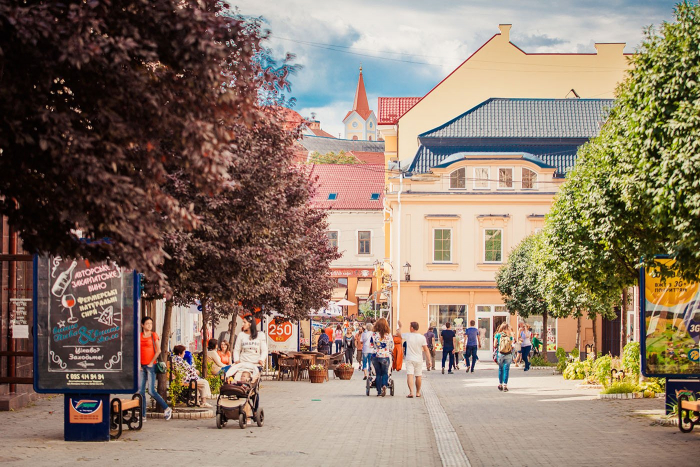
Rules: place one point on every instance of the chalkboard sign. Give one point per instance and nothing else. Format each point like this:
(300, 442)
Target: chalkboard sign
(85, 322)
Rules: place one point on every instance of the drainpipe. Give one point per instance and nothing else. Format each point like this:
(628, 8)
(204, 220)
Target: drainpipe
(398, 254)
(12, 292)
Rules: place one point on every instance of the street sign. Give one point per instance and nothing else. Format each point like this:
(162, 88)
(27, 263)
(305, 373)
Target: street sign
(85, 327)
(279, 332)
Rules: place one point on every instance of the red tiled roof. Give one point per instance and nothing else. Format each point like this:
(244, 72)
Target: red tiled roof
(352, 184)
(319, 132)
(369, 157)
(392, 108)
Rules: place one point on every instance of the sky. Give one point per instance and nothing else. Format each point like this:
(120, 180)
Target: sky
(406, 47)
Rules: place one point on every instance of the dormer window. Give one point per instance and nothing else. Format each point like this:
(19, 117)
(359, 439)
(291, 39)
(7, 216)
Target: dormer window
(332, 196)
(374, 196)
(458, 179)
(529, 179)
(505, 178)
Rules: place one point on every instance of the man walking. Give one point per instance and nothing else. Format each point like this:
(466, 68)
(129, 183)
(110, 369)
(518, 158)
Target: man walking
(430, 339)
(471, 336)
(447, 339)
(416, 346)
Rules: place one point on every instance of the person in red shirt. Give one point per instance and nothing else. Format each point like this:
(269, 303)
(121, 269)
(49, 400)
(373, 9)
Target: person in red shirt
(150, 350)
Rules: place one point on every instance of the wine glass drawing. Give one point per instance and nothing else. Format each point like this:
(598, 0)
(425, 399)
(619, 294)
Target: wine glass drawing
(68, 301)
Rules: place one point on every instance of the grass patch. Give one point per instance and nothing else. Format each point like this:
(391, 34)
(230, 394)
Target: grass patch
(620, 388)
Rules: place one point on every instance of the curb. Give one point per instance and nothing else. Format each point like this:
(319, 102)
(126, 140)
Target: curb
(185, 414)
(665, 421)
(630, 395)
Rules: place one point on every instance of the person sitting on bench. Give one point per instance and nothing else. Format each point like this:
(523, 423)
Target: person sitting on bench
(190, 373)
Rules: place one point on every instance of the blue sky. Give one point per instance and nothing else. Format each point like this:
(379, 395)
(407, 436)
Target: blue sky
(331, 39)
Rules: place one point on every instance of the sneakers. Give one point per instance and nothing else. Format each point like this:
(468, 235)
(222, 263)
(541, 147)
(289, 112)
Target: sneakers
(443, 371)
(450, 372)
(500, 387)
(168, 413)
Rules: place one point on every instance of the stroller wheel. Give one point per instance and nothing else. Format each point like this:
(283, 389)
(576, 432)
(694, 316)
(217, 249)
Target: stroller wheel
(368, 385)
(259, 417)
(241, 420)
(220, 420)
(391, 388)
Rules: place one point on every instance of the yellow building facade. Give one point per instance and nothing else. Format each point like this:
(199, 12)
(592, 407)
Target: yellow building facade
(498, 148)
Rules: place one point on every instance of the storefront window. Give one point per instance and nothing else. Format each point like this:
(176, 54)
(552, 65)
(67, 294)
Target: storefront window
(536, 323)
(455, 314)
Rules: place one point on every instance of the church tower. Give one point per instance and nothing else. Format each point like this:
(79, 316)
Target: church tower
(360, 122)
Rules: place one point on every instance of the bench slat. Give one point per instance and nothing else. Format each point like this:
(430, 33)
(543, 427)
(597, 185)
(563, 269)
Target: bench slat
(128, 404)
(691, 405)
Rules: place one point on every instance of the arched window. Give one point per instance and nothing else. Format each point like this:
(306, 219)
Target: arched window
(529, 179)
(458, 178)
(354, 138)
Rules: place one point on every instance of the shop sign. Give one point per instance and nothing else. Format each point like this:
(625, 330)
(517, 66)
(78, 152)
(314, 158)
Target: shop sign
(18, 317)
(352, 272)
(670, 311)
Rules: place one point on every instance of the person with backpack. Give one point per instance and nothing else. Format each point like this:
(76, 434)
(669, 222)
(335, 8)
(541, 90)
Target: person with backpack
(503, 341)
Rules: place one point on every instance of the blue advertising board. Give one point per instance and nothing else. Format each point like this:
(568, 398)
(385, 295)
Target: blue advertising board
(85, 327)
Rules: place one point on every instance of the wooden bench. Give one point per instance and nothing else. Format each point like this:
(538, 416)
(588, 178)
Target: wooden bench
(189, 395)
(125, 411)
(687, 422)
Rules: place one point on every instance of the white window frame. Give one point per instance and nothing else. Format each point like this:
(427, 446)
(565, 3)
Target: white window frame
(483, 240)
(522, 178)
(488, 178)
(465, 179)
(512, 179)
(357, 242)
(338, 237)
(451, 245)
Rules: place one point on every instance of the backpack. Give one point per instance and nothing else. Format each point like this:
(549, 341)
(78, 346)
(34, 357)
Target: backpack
(505, 345)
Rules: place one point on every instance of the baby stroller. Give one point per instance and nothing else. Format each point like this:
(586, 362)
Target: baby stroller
(372, 379)
(237, 401)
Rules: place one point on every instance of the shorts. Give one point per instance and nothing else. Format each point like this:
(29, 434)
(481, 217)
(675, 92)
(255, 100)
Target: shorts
(414, 368)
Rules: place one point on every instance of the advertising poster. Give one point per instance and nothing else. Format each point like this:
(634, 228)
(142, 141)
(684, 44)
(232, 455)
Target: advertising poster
(85, 327)
(671, 315)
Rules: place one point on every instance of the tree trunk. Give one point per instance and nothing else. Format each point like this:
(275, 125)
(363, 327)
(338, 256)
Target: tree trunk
(595, 335)
(544, 333)
(164, 346)
(623, 321)
(205, 338)
(578, 336)
(232, 330)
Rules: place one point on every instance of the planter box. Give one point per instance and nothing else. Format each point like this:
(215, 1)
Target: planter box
(345, 374)
(317, 376)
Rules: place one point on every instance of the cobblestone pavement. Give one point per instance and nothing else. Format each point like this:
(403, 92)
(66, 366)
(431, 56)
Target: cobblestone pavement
(305, 424)
(546, 420)
(543, 420)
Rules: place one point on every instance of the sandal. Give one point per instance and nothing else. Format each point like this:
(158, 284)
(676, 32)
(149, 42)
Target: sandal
(409, 396)
(418, 395)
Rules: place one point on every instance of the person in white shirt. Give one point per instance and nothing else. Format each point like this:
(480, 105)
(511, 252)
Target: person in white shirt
(250, 347)
(416, 345)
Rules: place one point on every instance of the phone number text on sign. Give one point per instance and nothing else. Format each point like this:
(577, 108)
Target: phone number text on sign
(279, 332)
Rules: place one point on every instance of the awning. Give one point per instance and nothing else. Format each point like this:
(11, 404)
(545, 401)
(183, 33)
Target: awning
(339, 293)
(363, 288)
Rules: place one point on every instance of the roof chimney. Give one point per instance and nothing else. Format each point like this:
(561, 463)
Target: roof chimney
(505, 31)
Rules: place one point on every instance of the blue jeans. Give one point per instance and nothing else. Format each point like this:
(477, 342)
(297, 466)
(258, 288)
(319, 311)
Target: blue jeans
(525, 351)
(148, 373)
(445, 353)
(504, 361)
(381, 368)
(366, 360)
(471, 352)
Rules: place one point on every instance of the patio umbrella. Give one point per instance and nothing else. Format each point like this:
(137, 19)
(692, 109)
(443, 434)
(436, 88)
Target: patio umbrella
(344, 302)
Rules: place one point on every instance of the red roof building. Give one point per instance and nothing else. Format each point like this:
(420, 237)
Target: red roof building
(392, 108)
(358, 187)
(369, 157)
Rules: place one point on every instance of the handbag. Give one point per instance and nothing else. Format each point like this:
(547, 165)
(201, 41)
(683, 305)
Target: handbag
(159, 367)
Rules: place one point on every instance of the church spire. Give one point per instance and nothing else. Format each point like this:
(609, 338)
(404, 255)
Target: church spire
(361, 106)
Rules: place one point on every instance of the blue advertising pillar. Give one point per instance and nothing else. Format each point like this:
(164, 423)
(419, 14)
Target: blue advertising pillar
(86, 417)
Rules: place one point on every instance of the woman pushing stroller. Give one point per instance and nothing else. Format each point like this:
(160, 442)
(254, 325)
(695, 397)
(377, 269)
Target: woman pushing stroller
(250, 348)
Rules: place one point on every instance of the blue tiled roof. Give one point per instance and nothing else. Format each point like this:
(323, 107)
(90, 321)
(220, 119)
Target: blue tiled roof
(561, 156)
(527, 118)
(552, 130)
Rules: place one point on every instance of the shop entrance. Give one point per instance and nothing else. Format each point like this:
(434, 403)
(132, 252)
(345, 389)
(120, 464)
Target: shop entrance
(488, 319)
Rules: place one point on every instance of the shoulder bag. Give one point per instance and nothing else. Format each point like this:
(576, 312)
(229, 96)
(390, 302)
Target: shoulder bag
(160, 367)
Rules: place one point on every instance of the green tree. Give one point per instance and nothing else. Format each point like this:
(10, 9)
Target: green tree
(332, 158)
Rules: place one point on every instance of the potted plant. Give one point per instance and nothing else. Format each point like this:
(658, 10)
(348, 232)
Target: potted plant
(345, 370)
(317, 373)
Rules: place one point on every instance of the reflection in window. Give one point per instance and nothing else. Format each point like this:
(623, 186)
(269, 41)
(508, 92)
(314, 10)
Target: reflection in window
(364, 238)
(481, 176)
(529, 178)
(458, 178)
(505, 178)
(332, 238)
(493, 245)
(455, 314)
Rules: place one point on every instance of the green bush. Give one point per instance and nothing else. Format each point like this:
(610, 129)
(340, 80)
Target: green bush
(539, 360)
(575, 353)
(574, 370)
(621, 387)
(630, 360)
(601, 370)
(561, 359)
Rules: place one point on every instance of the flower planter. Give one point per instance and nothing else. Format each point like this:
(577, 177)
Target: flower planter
(345, 374)
(317, 376)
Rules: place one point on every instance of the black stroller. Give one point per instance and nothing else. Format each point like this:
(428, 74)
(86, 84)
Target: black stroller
(372, 379)
(237, 401)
